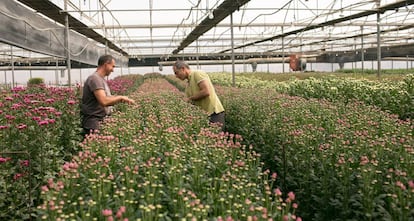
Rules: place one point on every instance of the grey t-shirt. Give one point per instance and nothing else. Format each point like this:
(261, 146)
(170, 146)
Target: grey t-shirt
(92, 112)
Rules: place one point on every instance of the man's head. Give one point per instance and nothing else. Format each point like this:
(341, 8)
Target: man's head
(181, 70)
(107, 64)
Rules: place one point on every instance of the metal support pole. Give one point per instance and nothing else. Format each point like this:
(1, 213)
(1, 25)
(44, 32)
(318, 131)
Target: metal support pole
(5, 78)
(197, 49)
(354, 61)
(12, 65)
(362, 49)
(30, 71)
(378, 41)
(407, 61)
(332, 60)
(232, 50)
(244, 60)
(57, 73)
(67, 43)
(268, 70)
(283, 52)
(301, 52)
(30, 64)
(80, 77)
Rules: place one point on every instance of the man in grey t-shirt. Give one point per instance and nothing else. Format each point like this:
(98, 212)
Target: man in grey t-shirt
(96, 97)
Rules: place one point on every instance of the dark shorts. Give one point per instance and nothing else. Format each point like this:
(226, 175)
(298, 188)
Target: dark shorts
(217, 118)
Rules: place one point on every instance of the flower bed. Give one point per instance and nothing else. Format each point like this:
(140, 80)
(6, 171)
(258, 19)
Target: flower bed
(344, 161)
(38, 131)
(160, 160)
(393, 97)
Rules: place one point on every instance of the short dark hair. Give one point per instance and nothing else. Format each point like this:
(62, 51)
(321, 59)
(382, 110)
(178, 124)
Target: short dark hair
(105, 59)
(181, 64)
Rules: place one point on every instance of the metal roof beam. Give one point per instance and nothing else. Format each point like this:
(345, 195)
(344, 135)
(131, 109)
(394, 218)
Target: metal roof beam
(220, 13)
(201, 9)
(354, 36)
(382, 9)
(200, 40)
(265, 25)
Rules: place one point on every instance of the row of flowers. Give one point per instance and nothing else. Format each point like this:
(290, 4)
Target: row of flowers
(160, 160)
(344, 161)
(39, 131)
(125, 84)
(393, 97)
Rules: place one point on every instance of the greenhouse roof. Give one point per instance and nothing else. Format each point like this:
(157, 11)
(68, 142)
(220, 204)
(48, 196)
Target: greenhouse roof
(149, 32)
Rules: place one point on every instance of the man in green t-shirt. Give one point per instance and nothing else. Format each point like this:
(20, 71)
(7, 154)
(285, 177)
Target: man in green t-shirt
(200, 91)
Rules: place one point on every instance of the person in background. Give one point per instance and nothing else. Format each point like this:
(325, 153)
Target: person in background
(200, 91)
(97, 101)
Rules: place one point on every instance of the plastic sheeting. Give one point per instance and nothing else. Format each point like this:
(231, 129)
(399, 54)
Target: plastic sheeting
(21, 27)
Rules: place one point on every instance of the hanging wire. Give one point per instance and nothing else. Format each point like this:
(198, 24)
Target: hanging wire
(326, 14)
(214, 6)
(182, 21)
(117, 21)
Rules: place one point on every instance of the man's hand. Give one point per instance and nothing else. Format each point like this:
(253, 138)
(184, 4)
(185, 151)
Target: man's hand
(188, 100)
(127, 100)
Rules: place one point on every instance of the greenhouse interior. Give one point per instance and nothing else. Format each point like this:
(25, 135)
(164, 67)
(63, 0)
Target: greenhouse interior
(284, 110)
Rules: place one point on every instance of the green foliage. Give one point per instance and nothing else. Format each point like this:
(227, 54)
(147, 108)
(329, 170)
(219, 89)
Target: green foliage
(179, 84)
(125, 84)
(280, 77)
(393, 97)
(35, 81)
(152, 75)
(153, 162)
(374, 72)
(344, 161)
(38, 131)
(386, 75)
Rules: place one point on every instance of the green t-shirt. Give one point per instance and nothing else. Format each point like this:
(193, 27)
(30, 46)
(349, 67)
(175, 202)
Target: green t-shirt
(212, 103)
